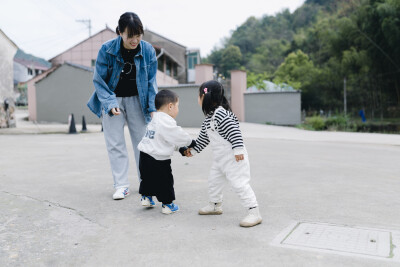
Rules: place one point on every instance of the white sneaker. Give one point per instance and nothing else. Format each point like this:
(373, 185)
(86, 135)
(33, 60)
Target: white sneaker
(121, 193)
(253, 218)
(169, 208)
(147, 201)
(211, 209)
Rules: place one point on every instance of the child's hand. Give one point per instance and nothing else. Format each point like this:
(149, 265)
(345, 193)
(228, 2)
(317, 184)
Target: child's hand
(183, 150)
(239, 157)
(187, 153)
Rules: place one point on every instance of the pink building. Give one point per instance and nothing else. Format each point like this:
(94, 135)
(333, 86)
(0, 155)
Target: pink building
(85, 53)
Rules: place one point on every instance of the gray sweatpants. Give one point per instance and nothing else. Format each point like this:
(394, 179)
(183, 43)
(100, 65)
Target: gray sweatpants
(113, 127)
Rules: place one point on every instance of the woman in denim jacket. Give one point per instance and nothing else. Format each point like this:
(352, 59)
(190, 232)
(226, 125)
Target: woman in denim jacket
(125, 88)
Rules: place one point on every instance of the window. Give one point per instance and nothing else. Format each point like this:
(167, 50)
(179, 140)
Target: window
(192, 60)
(93, 62)
(30, 72)
(175, 70)
(168, 68)
(161, 64)
(190, 63)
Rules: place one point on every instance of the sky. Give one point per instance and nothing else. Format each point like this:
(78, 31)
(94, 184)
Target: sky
(46, 28)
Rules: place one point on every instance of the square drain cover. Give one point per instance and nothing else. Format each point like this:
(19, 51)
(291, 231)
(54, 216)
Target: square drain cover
(356, 241)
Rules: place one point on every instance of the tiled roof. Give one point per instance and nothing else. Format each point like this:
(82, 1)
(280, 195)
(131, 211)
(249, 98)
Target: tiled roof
(43, 75)
(79, 66)
(159, 35)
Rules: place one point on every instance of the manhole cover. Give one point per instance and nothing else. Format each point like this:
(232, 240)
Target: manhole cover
(366, 242)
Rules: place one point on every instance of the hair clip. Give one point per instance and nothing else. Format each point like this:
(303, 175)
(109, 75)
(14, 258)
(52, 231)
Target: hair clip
(205, 90)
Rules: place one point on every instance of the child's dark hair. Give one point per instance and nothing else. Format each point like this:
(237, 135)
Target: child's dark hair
(131, 21)
(214, 97)
(165, 97)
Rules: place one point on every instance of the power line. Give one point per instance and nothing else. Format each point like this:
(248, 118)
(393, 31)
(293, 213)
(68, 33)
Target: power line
(42, 40)
(380, 49)
(55, 42)
(88, 23)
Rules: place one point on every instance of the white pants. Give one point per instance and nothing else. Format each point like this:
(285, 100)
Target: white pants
(225, 168)
(237, 174)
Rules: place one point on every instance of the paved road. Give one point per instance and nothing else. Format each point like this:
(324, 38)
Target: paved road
(56, 207)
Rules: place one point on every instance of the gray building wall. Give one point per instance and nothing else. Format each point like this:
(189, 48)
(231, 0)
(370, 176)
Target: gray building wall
(63, 92)
(280, 108)
(190, 113)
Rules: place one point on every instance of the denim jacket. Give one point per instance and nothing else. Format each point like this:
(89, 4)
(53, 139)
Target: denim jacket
(109, 65)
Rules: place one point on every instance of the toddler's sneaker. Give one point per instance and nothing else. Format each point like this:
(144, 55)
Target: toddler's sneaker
(169, 208)
(253, 218)
(121, 193)
(211, 209)
(147, 201)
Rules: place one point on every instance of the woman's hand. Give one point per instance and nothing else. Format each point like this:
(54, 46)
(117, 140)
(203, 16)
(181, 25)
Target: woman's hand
(115, 111)
(239, 157)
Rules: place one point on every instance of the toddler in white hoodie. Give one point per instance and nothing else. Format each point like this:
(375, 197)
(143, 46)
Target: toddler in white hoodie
(162, 138)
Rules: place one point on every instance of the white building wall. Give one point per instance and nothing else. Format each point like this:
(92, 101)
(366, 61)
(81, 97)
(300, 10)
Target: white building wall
(191, 76)
(21, 73)
(7, 52)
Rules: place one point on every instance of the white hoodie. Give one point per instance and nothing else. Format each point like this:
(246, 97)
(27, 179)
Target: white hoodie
(163, 136)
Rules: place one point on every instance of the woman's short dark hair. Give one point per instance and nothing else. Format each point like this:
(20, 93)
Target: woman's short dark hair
(165, 97)
(214, 96)
(130, 21)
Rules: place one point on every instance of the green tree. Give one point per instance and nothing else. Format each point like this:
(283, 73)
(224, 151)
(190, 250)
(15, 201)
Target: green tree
(257, 79)
(268, 56)
(353, 39)
(231, 59)
(297, 70)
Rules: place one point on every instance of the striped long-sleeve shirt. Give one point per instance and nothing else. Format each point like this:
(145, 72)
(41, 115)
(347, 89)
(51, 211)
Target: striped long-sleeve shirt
(227, 126)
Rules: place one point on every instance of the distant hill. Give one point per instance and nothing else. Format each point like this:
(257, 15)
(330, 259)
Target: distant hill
(319, 46)
(22, 56)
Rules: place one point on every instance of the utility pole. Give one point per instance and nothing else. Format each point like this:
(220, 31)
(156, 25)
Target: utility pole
(88, 23)
(345, 96)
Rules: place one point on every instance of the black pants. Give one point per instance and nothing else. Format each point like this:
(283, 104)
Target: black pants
(157, 179)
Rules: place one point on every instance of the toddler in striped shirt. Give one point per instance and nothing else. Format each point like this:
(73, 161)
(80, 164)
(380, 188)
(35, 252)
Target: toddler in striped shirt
(221, 129)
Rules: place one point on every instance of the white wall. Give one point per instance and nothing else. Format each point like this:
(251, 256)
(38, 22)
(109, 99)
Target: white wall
(21, 73)
(7, 52)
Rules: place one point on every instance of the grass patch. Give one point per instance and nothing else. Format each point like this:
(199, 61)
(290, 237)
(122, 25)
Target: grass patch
(346, 124)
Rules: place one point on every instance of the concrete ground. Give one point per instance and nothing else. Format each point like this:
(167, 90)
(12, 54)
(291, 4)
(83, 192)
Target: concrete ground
(56, 207)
